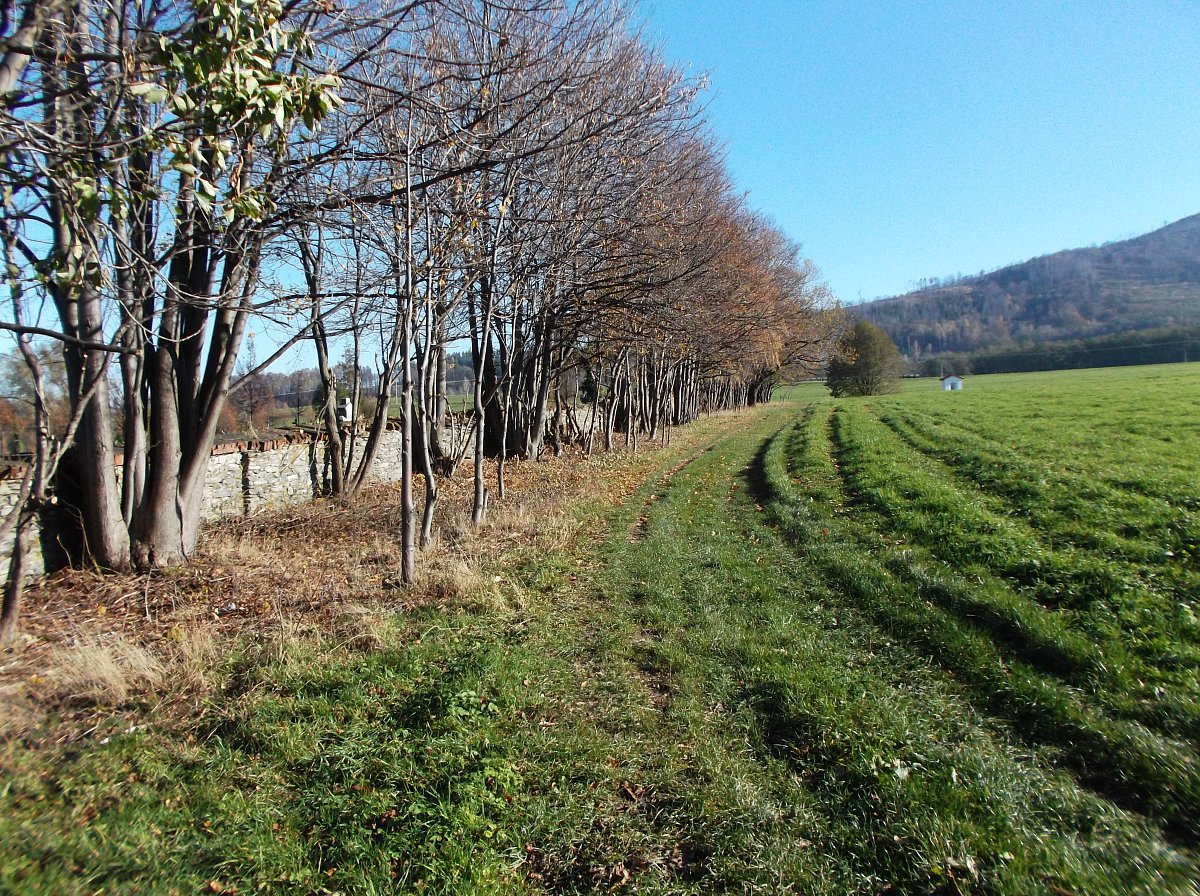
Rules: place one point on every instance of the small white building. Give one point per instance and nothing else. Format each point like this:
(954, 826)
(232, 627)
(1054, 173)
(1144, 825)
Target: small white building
(952, 383)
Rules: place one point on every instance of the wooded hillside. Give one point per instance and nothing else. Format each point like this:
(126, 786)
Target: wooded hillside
(1149, 282)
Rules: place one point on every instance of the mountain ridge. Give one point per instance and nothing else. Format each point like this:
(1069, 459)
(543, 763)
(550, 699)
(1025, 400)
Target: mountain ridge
(1151, 281)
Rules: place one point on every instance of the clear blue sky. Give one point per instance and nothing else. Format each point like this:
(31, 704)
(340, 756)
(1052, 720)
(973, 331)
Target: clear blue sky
(901, 140)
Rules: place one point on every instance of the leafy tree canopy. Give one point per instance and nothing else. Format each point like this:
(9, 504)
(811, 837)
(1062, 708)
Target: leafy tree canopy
(867, 363)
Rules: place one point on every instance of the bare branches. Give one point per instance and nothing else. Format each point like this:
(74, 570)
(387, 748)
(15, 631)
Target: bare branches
(387, 176)
(66, 338)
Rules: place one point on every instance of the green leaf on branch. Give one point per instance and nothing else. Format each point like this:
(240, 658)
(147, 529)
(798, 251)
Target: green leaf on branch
(149, 91)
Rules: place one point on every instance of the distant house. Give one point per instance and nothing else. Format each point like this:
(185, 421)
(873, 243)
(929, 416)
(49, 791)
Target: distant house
(952, 383)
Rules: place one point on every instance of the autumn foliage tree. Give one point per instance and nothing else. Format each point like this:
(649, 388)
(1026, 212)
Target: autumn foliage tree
(867, 363)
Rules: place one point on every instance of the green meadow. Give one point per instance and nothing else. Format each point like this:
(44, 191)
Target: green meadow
(924, 643)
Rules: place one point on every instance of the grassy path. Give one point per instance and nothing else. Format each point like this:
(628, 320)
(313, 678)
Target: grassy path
(719, 688)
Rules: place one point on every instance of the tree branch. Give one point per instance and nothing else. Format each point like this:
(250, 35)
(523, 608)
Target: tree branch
(63, 337)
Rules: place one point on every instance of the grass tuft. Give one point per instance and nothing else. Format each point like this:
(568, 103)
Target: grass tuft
(104, 670)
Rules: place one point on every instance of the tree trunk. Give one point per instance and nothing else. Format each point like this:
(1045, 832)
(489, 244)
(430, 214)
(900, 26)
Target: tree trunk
(108, 537)
(539, 410)
(157, 530)
(594, 416)
(481, 356)
(14, 588)
(335, 449)
(429, 425)
(408, 558)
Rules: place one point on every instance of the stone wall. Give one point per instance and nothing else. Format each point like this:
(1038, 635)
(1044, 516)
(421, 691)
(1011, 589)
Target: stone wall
(243, 478)
(10, 491)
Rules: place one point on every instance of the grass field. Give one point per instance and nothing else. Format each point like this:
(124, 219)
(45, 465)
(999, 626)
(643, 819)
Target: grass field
(923, 643)
(1037, 538)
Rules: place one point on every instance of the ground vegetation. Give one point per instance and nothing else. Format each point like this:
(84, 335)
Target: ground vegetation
(908, 644)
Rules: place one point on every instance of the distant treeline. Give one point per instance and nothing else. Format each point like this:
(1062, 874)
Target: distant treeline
(1164, 345)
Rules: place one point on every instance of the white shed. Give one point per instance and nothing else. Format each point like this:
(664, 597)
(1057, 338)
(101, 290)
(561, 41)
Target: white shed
(952, 383)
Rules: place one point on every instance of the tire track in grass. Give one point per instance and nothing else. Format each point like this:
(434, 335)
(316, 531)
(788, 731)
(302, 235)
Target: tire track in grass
(641, 523)
(659, 485)
(1176, 486)
(1133, 631)
(827, 759)
(654, 678)
(1123, 761)
(782, 726)
(904, 489)
(1136, 528)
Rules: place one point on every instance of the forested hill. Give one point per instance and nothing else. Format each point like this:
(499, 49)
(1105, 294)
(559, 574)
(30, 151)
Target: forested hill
(1149, 282)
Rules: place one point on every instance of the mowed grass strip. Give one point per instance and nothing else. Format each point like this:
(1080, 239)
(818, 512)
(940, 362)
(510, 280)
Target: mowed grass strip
(1077, 612)
(1120, 759)
(823, 755)
(1071, 510)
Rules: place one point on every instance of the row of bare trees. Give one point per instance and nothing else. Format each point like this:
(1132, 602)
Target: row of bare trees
(388, 178)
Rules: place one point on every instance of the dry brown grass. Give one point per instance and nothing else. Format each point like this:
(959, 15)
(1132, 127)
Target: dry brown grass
(447, 578)
(359, 628)
(196, 657)
(99, 668)
(19, 712)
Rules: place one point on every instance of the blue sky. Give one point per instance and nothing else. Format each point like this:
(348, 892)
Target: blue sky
(905, 140)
